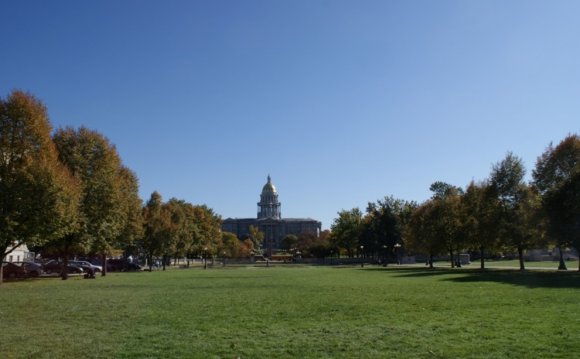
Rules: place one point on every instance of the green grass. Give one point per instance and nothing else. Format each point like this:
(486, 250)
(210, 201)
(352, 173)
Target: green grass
(295, 312)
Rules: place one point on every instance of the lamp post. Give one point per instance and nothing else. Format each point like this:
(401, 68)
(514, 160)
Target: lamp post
(362, 261)
(385, 255)
(397, 246)
(205, 257)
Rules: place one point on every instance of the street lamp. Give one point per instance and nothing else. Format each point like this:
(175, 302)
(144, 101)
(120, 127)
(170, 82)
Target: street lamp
(362, 261)
(205, 257)
(397, 246)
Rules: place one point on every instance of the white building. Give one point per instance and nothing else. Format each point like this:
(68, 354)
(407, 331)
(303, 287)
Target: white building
(19, 254)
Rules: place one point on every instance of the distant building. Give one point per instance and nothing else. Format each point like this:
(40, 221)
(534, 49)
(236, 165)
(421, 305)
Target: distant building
(19, 254)
(270, 222)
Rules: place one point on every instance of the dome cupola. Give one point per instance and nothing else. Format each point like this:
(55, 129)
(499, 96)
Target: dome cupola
(269, 187)
(269, 206)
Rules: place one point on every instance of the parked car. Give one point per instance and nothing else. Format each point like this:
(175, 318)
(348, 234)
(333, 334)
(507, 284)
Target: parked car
(32, 269)
(53, 266)
(85, 264)
(122, 265)
(12, 270)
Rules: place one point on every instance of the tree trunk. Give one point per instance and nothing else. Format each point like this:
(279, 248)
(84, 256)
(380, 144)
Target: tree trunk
(451, 258)
(562, 265)
(1, 272)
(521, 258)
(150, 259)
(64, 268)
(164, 259)
(482, 257)
(104, 262)
(431, 261)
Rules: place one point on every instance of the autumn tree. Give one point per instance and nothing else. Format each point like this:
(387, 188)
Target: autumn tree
(209, 227)
(230, 245)
(38, 196)
(92, 159)
(131, 205)
(156, 222)
(557, 180)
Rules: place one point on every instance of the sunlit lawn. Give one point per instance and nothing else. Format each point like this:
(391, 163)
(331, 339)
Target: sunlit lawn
(295, 312)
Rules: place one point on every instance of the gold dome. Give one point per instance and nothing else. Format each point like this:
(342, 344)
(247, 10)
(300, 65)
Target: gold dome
(269, 187)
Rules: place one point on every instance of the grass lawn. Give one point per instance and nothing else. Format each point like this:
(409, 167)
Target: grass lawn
(295, 312)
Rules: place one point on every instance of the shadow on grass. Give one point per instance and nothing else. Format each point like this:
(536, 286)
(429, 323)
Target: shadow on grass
(530, 279)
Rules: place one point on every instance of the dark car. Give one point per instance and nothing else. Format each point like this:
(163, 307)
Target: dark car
(122, 265)
(12, 270)
(32, 269)
(53, 266)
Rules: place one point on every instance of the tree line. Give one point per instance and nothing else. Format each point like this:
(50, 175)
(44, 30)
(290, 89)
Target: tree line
(502, 213)
(67, 193)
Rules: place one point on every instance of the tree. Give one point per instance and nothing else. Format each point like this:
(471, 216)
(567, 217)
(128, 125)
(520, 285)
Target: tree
(556, 178)
(289, 242)
(346, 230)
(423, 232)
(447, 199)
(479, 217)
(207, 233)
(256, 236)
(442, 189)
(231, 245)
(38, 196)
(526, 227)
(131, 209)
(517, 205)
(95, 162)
(155, 227)
(383, 225)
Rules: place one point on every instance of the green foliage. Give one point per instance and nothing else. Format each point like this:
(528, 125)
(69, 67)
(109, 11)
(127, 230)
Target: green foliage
(557, 179)
(289, 242)
(231, 245)
(423, 233)
(442, 189)
(384, 224)
(257, 238)
(207, 233)
(480, 216)
(347, 229)
(156, 223)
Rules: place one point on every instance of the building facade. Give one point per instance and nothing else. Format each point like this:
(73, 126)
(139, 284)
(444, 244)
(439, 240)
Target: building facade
(270, 222)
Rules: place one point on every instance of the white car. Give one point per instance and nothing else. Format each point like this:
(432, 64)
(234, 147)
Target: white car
(96, 268)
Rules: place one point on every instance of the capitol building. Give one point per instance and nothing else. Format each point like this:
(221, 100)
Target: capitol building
(270, 222)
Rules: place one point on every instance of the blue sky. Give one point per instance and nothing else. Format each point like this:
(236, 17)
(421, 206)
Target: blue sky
(342, 102)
